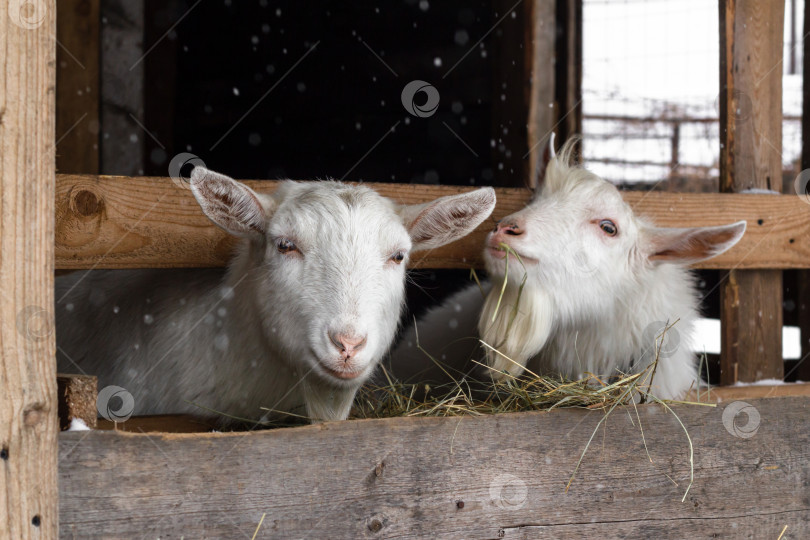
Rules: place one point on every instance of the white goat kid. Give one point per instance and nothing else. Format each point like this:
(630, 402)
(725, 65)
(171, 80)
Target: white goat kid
(306, 309)
(602, 285)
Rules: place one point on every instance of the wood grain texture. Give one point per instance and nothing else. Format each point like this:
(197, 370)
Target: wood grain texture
(540, 49)
(180, 423)
(751, 144)
(721, 394)
(77, 86)
(144, 222)
(484, 477)
(28, 421)
(162, 423)
(751, 327)
(569, 70)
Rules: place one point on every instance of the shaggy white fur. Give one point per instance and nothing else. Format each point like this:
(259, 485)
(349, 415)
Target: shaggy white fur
(601, 286)
(305, 311)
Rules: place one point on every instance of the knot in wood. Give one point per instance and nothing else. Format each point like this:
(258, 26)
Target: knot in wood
(86, 203)
(34, 414)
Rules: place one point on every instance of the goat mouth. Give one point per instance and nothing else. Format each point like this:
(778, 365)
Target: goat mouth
(499, 253)
(341, 374)
(496, 252)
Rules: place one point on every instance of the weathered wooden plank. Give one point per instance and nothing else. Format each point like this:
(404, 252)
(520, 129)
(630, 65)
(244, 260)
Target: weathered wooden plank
(544, 112)
(720, 394)
(78, 86)
(28, 423)
(482, 477)
(750, 158)
(141, 222)
(803, 277)
(162, 423)
(751, 326)
(740, 527)
(181, 423)
(569, 69)
(77, 396)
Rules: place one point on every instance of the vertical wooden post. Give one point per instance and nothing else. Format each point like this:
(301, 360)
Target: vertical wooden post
(803, 293)
(28, 421)
(78, 95)
(751, 36)
(675, 149)
(540, 44)
(569, 69)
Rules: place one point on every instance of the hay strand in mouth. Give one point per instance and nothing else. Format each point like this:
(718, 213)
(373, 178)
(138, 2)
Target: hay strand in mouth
(509, 251)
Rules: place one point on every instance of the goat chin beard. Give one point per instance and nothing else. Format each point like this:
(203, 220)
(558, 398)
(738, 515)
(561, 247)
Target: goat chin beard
(324, 402)
(519, 330)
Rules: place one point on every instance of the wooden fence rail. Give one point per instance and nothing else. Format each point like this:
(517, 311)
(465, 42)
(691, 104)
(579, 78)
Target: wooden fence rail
(140, 222)
(499, 476)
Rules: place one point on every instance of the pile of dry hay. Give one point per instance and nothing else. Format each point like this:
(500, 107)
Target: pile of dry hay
(529, 392)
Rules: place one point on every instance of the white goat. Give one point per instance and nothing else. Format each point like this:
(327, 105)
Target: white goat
(305, 311)
(601, 287)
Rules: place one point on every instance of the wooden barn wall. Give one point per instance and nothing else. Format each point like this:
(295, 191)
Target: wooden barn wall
(337, 71)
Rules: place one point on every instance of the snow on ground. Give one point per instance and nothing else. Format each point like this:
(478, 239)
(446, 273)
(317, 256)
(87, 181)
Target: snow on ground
(77, 424)
(766, 382)
(707, 339)
(660, 59)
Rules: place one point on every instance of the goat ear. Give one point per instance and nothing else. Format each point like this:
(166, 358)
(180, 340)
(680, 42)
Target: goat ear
(229, 204)
(447, 218)
(694, 244)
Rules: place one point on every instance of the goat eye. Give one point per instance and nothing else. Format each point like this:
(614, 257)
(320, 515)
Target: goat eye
(398, 257)
(283, 245)
(609, 227)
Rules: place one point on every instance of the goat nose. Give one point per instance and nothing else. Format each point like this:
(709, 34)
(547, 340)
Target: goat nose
(508, 226)
(347, 344)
